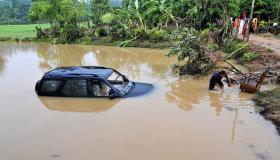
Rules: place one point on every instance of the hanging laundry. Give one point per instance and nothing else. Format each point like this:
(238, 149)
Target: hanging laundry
(236, 23)
(241, 26)
(255, 23)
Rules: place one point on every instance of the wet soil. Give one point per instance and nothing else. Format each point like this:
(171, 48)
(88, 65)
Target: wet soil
(270, 103)
(268, 50)
(180, 119)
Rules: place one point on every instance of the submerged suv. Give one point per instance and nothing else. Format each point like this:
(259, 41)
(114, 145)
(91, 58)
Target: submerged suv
(88, 81)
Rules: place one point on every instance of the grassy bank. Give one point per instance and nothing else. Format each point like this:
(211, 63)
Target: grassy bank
(10, 32)
(269, 101)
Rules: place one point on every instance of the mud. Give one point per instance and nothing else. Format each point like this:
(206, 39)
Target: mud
(180, 119)
(269, 101)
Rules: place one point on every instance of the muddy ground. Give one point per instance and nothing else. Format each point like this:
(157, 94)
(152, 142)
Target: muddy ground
(268, 50)
(270, 103)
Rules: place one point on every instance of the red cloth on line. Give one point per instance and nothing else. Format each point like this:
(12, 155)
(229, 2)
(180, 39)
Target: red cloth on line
(236, 23)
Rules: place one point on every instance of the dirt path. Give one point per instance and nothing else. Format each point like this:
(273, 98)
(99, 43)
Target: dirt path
(266, 42)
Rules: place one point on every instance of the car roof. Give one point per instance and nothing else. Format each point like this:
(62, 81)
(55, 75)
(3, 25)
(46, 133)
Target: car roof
(80, 71)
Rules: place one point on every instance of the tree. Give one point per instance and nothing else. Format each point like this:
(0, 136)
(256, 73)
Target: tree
(13, 12)
(57, 11)
(159, 12)
(99, 8)
(41, 10)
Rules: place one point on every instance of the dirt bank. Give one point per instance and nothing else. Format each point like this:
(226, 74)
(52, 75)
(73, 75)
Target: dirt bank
(269, 101)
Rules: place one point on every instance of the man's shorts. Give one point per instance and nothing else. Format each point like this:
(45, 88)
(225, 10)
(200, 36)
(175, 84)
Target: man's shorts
(213, 83)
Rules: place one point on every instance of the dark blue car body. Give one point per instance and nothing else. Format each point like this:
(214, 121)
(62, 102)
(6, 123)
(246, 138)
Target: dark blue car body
(89, 81)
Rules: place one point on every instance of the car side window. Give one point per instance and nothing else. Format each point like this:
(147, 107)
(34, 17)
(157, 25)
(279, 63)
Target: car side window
(99, 88)
(50, 86)
(75, 87)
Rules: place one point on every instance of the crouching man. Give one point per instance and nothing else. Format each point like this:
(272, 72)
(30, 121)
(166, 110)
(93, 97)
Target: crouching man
(216, 79)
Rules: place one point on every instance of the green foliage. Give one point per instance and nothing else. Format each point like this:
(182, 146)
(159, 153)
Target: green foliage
(237, 47)
(40, 10)
(158, 12)
(157, 34)
(213, 47)
(204, 35)
(249, 57)
(70, 32)
(154, 34)
(20, 31)
(189, 49)
(100, 8)
(263, 8)
(63, 15)
(141, 33)
(57, 11)
(107, 18)
(262, 26)
(14, 11)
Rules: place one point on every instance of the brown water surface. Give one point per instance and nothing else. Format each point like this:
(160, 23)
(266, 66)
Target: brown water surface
(180, 119)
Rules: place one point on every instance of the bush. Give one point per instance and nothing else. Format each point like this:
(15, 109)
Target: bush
(262, 26)
(204, 35)
(71, 32)
(213, 47)
(119, 32)
(107, 18)
(141, 33)
(249, 57)
(157, 34)
(231, 45)
(189, 49)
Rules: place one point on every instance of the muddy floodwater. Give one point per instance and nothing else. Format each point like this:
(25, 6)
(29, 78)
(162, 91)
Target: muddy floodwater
(179, 120)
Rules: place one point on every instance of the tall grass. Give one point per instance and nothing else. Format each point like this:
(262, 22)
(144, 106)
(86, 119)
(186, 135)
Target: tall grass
(20, 31)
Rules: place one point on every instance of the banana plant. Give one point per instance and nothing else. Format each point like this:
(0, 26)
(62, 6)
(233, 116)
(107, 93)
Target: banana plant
(160, 11)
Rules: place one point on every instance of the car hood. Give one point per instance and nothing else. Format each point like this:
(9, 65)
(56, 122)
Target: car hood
(140, 89)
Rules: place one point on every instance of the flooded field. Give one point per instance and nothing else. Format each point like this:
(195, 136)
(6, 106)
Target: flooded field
(180, 119)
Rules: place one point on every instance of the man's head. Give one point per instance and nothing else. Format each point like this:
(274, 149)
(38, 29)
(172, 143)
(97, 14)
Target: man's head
(223, 73)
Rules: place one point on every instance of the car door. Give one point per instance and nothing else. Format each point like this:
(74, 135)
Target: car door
(75, 88)
(98, 88)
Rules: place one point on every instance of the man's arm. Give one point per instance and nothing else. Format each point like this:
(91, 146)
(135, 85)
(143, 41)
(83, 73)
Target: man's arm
(228, 80)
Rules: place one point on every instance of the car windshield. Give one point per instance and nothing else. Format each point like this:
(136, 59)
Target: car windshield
(120, 82)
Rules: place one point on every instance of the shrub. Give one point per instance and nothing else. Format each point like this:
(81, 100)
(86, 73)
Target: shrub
(189, 49)
(71, 32)
(107, 18)
(119, 32)
(204, 35)
(249, 57)
(213, 47)
(141, 33)
(231, 45)
(262, 26)
(157, 34)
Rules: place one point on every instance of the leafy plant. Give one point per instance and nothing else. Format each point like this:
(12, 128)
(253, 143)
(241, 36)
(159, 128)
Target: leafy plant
(213, 47)
(189, 50)
(249, 57)
(157, 34)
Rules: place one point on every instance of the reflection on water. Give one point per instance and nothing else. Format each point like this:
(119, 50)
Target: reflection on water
(186, 92)
(180, 119)
(78, 104)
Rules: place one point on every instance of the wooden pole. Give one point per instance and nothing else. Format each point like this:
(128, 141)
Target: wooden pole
(250, 19)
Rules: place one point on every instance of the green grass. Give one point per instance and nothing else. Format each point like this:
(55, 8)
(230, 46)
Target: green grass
(19, 31)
